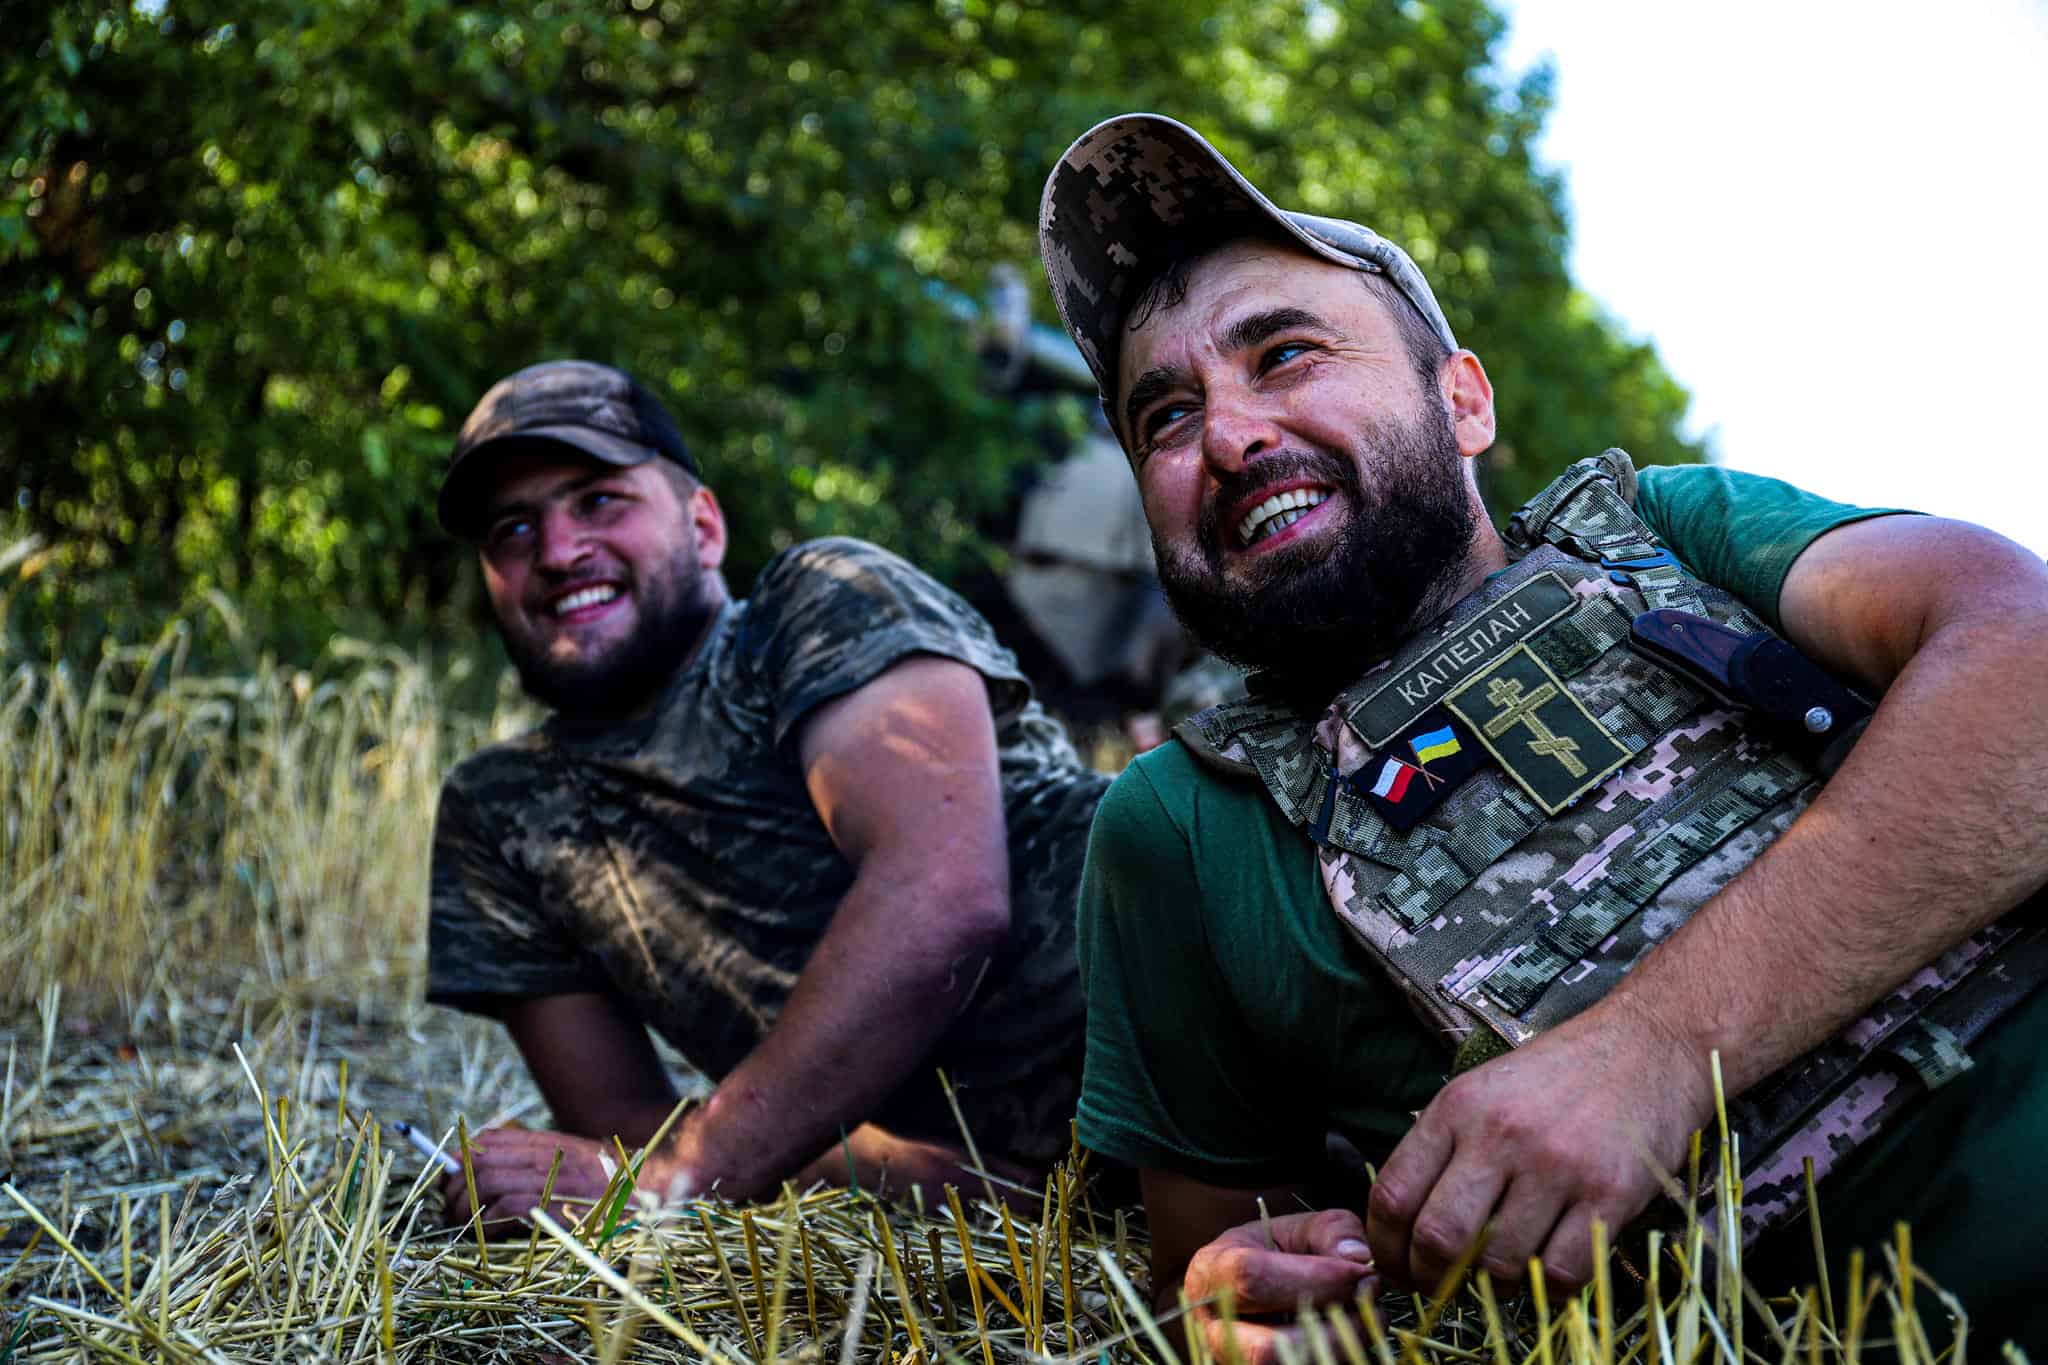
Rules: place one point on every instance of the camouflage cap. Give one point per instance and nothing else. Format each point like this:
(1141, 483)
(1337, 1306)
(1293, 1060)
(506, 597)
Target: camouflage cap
(1136, 192)
(602, 412)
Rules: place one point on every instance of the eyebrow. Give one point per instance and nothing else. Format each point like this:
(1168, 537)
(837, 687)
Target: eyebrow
(1250, 331)
(1246, 332)
(1146, 389)
(527, 506)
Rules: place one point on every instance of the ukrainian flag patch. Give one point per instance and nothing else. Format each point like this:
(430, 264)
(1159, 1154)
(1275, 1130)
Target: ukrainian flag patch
(1439, 743)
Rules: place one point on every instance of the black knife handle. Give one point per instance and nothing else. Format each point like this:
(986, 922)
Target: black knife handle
(1787, 690)
(1795, 692)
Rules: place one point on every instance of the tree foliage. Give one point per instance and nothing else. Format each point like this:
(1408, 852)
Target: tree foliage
(257, 260)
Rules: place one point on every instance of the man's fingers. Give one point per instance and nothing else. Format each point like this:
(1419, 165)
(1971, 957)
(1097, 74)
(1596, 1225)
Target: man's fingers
(457, 1211)
(1256, 1342)
(1568, 1255)
(1451, 1219)
(1526, 1215)
(510, 1211)
(1402, 1188)
(581, 1178)
(1261, 1281)
(567, 1212)
(511, 1169)
(1265, 1343)
(1277, 1282)
(506, 1153)
(1328, 1232)
(455, 1207)
(514, 1159)
(500, 1147)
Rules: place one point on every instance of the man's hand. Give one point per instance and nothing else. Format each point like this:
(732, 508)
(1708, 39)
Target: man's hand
(1541, 1142)
(511, 1167)
(1271, 1269)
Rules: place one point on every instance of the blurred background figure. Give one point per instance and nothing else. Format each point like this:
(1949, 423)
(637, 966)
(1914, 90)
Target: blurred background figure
(1079, 599)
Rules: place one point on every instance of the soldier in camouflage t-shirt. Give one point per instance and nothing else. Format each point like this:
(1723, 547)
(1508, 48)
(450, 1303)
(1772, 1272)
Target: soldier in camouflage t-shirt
(820, 839)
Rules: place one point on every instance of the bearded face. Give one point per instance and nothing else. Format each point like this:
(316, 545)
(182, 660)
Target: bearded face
(616, 678)
(1303, 463)
(602, 579)
(1319, 609)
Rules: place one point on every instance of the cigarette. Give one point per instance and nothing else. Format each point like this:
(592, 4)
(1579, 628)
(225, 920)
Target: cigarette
(426, 1146)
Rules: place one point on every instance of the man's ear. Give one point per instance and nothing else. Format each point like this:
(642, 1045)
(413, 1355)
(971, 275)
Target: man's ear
(708, 520)
(1468, 393)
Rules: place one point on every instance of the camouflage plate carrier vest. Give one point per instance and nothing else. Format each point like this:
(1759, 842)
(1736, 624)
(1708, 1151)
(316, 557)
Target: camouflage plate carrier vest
(1517, 806)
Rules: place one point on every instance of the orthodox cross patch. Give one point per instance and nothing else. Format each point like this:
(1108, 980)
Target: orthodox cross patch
(1546, 740)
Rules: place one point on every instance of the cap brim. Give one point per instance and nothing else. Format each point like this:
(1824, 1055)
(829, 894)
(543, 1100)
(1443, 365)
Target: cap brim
(460, 505)
(1129, 197)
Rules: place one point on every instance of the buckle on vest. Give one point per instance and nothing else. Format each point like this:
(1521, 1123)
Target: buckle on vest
(1619, 570)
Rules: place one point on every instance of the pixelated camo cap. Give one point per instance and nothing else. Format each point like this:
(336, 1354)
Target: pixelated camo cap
(594, 409)
(1138, 191)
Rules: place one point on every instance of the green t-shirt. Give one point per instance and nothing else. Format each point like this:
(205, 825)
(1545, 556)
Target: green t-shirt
(1741, 531)
(1233, 1022)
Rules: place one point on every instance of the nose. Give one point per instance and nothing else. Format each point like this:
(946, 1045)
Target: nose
(1238, 426)
(562, 545)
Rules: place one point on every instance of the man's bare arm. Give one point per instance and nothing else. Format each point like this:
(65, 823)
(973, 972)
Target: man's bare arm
(594, 1064)
(903, 773)
(602, 1079)
(1931, 829)
(1934, 825)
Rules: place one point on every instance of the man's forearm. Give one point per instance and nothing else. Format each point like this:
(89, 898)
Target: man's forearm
(1931, 829)
(876, 997)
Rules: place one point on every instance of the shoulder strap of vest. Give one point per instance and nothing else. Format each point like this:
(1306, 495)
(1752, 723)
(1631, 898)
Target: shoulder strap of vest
(1261, 739)
(1589, 513)
(1612, 467)
(1210, 735)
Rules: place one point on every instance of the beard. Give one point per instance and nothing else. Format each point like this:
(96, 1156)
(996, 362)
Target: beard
(1313, 616)
(673, 611)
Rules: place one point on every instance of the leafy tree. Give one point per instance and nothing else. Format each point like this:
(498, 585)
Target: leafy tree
(257, 260)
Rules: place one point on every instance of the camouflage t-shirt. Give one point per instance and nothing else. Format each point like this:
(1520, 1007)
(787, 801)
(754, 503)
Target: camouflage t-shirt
(677, 863)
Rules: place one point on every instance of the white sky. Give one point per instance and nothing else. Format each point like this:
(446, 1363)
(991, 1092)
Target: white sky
(1831, 219)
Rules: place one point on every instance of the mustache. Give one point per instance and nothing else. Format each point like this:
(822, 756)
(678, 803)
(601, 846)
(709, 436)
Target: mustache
(1269, 471)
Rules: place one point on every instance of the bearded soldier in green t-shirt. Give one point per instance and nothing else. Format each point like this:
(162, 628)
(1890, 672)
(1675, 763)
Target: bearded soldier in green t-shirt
(1516, 828)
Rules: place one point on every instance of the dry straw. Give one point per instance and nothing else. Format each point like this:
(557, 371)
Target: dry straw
(246, 1207)
(211, 908)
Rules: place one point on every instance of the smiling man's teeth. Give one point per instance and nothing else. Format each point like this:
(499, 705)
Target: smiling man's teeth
(584, 597)
(1279, 512)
